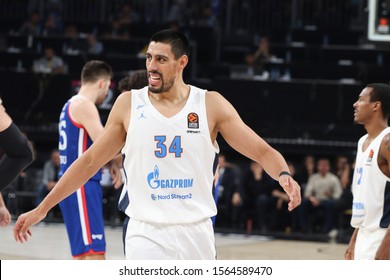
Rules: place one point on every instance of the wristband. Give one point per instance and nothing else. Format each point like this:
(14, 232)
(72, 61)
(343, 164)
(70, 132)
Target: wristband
(285, 173)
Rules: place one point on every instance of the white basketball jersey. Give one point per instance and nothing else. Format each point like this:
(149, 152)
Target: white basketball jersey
(168, 162)
(370, 187)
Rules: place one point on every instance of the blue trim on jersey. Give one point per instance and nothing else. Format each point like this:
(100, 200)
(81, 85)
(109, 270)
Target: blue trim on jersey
(124, 232)
(124, 202)
(216, 187)
(385, 220)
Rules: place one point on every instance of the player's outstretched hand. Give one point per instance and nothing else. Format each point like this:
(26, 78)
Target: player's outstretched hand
(292, 189)
(24, 222)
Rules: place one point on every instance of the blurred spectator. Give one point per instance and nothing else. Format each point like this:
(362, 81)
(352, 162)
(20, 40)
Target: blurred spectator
(344, 170)
(229, 203)
(321, 192)
(49, 176)
(53, 25)
(257, 60)
(257, 188)
(152, 14)
(207, 17)
(178, 12)
(45, 6)
(128, 14)
(71, 31)
(33, 26)
(75, 44)
(307, 169)
(50, 63)
(54, 6)
(116, 30)
(95, 47)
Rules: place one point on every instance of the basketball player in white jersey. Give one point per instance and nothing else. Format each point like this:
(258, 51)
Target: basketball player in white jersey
(371, 180)
(18, 154)
(167, 132)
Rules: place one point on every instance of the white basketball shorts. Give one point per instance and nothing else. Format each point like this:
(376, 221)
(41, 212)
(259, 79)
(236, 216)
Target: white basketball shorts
(146, 241)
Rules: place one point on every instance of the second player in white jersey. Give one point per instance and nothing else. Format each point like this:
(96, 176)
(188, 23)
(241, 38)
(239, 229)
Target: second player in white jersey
(369, 187)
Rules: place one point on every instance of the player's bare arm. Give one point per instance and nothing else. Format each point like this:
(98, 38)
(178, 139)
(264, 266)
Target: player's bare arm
(120, 113)
(350, 251)
(5, 120)
(383, 252)
(18, 151)
(101, 151)
(5, 216)
(384, 156)
(121, 118)
(223, 118)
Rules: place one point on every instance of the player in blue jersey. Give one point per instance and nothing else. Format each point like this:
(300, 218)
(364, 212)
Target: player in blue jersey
(79, 126)
(17, 155)
(167, 132)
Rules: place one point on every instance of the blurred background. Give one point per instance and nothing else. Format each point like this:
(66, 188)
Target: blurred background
(292, 69)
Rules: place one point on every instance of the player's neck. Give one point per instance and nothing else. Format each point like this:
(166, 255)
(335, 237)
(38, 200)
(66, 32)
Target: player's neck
(175, 94)
(375, 128)
(87, 92)
(171, 102)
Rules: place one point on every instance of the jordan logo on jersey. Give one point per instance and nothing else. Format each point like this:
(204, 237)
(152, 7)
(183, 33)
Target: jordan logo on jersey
(141, 114)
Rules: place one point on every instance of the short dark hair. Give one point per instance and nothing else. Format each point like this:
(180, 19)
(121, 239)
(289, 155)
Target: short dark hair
(381, 92)
(179, 43)
(94, 70)
(136, 80)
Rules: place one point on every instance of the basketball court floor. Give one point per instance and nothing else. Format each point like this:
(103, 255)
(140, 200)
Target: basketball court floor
(49, 242)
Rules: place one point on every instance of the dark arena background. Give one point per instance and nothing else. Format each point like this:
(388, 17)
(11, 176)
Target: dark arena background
(300, 98)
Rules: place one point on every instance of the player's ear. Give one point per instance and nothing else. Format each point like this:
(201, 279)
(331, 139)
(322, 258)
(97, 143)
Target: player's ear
(183, 61)
(377, 105)
(102, 83)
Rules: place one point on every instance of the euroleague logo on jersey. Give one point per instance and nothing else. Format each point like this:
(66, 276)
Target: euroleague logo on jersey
(370, 156)
(193, 121)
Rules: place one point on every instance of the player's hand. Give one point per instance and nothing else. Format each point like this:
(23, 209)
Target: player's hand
(348, 255)
(116, 176)
(24, 222)
(292, 189)
(5, 216)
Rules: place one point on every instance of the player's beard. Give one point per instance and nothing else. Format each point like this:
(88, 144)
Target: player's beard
(164, 86)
